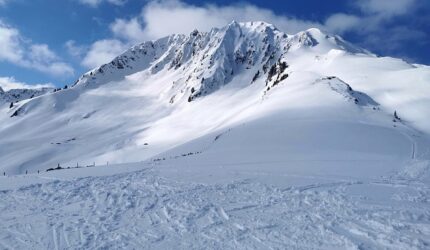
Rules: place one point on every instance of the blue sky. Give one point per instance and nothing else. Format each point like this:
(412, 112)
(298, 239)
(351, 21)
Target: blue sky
(55, 41)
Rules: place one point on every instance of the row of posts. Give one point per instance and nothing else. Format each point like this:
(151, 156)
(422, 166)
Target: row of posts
(58, 166)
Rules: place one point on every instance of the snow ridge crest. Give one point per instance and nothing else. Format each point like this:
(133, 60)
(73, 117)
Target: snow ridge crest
(206, 61)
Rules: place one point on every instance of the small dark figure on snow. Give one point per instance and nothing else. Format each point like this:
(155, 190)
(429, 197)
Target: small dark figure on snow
(11, 105)
(4, 173)
(26, 171)
(396, 117)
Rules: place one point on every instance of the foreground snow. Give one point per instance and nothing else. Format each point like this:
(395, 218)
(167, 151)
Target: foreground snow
(144, 209)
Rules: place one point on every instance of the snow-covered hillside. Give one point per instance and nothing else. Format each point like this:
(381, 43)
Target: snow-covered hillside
(242, 136)
(16, 95)
(163, 93)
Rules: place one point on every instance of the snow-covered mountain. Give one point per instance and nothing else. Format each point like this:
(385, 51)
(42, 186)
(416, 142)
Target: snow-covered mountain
(210, 60)
(16, 95)
(240, 137)
(163, 93)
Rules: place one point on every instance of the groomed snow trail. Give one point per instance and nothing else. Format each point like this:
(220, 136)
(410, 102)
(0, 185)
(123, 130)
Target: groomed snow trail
(143, 210)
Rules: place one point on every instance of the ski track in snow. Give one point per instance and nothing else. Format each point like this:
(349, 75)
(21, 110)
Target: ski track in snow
(143, 210)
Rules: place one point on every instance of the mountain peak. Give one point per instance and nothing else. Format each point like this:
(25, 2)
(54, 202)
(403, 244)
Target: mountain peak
(233, 23)
(195, 32)
(208, 60)
(315, 31)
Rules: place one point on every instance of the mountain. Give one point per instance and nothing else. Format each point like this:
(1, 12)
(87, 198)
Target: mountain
(243, 137)
(160, 94)
(209, 60)
(16, 95)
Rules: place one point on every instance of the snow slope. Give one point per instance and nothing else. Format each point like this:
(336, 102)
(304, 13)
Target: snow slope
(16, 95)
(145, 210)
(241, 137)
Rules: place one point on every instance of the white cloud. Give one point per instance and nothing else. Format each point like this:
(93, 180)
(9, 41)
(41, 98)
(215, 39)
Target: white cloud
(7, 83)
(55, 68)
(161, 18)
(375, 25)
(41, 53)
(75, 50)
(130, 30)
(3, 2)
(374, 14)
(385, 8)
(164, 17)
(19, 51)
(103, 51)
(9, 44)
(340, 22)
(95, 3)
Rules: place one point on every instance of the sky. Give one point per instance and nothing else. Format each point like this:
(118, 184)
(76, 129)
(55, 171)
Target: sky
(53, 42)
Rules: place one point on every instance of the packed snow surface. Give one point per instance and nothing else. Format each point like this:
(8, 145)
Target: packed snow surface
(241, 137)
(143, 209)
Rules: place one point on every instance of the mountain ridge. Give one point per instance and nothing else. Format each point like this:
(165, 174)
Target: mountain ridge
(180, 50)
(16, 95)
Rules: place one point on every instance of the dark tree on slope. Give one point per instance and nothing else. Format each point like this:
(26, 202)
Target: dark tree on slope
(11, 105)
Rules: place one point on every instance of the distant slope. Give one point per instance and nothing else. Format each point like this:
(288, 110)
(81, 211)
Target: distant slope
(16, 95)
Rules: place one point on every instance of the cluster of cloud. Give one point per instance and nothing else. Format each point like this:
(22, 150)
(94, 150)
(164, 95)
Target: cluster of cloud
(103, 51)
(15, 49)
(376, 27)
(160, 18)
(7, 83)
(163, 17)
(373, 15)
(385, 8)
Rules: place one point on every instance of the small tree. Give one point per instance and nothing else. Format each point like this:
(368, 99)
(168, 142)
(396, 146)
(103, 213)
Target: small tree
(11, 105)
